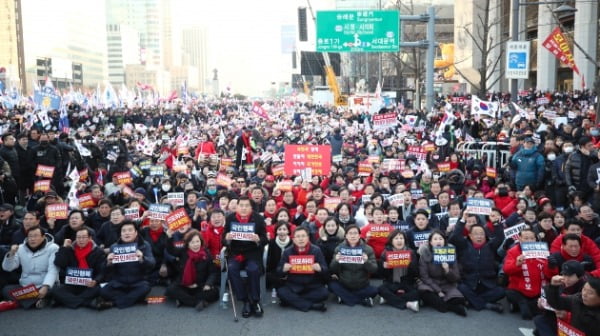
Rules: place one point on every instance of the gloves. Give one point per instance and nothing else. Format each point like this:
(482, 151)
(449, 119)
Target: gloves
(553, 261)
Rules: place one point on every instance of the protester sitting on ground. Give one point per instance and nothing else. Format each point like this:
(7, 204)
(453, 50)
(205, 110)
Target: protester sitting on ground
(36, 259)
(154, 234)
(197, 274)
(277, 246)
(331, 234)
(352, 263)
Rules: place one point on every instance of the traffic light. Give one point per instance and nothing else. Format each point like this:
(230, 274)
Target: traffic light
(302, 30)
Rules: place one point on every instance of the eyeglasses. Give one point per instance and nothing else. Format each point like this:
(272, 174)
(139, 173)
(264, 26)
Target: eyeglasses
(82, 237)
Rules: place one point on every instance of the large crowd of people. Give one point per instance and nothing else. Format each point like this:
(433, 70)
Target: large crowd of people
(98, 206)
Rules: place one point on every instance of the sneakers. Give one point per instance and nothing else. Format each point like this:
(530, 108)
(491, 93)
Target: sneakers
(368, 302)
(381, 300)
(319, 307)
(257, 309)
(497, 307)
(339, 300)
(413, 305)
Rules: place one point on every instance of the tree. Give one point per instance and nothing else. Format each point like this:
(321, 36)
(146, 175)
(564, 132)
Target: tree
(485, 35)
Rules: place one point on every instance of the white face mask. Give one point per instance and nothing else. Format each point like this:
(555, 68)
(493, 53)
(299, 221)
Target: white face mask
(166, 187)
(568, 150)
(551, 156)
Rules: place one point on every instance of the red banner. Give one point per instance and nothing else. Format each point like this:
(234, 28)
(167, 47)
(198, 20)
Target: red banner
(41, 185)
(383, 121)
(24, 293)
(86, 201)
(565, 329)
(302, 264)
(300, 157)
(177, 219)
(558, 45)
(398, 259)
(44, 171)
(124, 178)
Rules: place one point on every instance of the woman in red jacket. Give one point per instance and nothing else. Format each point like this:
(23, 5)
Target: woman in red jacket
(525, 276)
(205, 147)
(376, 233)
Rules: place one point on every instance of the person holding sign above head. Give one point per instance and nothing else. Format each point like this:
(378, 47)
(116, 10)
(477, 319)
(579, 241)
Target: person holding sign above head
(400, 272)
(351, 266)
(197, 273)
(36, 259)
(245, 237)
(305, 270)
(524, 276)
(476, 255)
(127, 264)
(439, 280)
(81, 268)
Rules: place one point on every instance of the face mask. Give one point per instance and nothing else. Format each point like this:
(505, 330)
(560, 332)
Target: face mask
(568, 150)
(166, 187)
(211, 192)
(551, 156)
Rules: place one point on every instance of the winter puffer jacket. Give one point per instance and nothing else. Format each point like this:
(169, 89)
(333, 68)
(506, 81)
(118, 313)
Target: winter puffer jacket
(36, 267)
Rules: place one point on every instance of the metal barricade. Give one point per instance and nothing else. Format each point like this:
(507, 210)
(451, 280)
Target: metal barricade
(497, 153)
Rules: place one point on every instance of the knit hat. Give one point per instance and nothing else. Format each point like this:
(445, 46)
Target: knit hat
(572, 267)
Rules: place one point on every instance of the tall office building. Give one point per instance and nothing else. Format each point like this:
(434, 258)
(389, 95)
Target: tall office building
(194, 42)
(123, 47)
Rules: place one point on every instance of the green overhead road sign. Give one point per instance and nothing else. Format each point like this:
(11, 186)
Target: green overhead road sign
(358, 31)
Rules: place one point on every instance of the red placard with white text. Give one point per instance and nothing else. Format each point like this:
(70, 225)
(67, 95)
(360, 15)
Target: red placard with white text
(57, 211)
(302, 264)
(300, 157)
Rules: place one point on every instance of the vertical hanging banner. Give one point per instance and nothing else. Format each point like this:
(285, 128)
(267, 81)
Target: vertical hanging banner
(558, 45)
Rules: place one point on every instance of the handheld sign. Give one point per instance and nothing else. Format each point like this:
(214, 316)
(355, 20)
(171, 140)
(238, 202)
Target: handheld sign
(285, 185)
(41, 185)
(380, 231)
(224, 181)
(401, 225)
(132, 213)
(242, 231)
(277, 170)
(24, 293)
(513, 231)
(416, 193)
(159, 211)
(176, 198)
(44, 171)
(78, 276)
(227, 162)
(397, 259)
(565, 329)
(444, 254)
(123, 177)
(330, 203)
(145, 165)
(86, 201)
(443, 167)
(57, 211)
(351, 255)
(480, 206)
(157, 171)
(156, 299)
(177, 219)
(421, 238)
(491, 172)
(365, 168)
(302, 264)
(396, 200)
(534, 250)
(124, 253)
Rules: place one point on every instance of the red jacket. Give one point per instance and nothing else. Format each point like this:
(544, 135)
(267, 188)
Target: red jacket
(588, 247)
(212, 238)
(500, 201)
(527, 278)
(379, 236)
(205, 148)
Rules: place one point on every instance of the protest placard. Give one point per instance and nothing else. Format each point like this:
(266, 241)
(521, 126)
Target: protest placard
(41, 185)
(351, 255)
(396, 200)
(86, 201)
(443, 167)
(330, 203)
(157, 171)
(24, 293)
(416, 193)
(177, 219)
(57, 211)
(249, 168)
(176, 198)
(277, 170)
(159, 211)
(429, 147)
(491, 172)
(285, 185)
(364, 168)
(132, 213)
(242, 231)
(407, 173)
(397, 259)
(479, 206)
(124, 253)
(224, 181)
(513, 231)
(421, 238)
(337, 158)
(365, 199)
(302, 264)
(123, 178)
(299, 157)
(416, 151)
(145, 165)
(379, 231)
(136, 171)
(535, 250)
(227, 162)
(444, 254)
(373, 159)
(565, 329)
(390, 165)
(44, 171)
(384, 121)
(78, 276)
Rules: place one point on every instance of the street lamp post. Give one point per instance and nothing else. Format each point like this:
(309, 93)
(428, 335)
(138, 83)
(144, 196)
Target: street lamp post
(564, 8)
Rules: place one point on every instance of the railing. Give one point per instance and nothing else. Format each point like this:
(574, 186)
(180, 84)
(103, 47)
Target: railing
(497, 153)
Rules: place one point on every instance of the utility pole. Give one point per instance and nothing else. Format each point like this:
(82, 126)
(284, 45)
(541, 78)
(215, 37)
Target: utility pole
(20, 46)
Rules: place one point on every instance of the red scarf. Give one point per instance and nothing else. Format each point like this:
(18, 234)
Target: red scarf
(246, 141)
(243, 219)
(189, 270)
(306, 249)
(155, 235)
(478, 246)
(81, 254)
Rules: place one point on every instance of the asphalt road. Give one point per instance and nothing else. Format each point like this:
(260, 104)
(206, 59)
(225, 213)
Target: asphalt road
(166, 320)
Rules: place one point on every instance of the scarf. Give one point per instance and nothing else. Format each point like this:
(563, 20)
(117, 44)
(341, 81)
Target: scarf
(81, 254)
(243, 219)
(399, 272)
(246, 141)
(282, 243)
(478, 246)
(189, 270)
(305, 251)
(155, 235)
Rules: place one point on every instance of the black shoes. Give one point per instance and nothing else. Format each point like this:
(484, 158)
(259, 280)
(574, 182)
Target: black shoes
(458, 309)
(319, 307)
(497, 307)
(257, 309)
(368, 302)
(201, 305)
(247, 310)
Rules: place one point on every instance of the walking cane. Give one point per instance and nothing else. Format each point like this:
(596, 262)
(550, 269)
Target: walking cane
(235, 317)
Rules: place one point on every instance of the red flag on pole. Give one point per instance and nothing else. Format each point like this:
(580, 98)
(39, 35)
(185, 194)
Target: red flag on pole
(558, 45)
(258, 109)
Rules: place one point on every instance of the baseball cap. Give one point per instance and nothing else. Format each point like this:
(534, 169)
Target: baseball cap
(572, 267)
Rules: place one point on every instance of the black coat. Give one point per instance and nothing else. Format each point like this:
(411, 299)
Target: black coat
(158, 248)
(274, 255)
(65, 257)
(10, 155)
(26, 167)
(298, 282)
(206, 270)
(412, 273)
(108, 234)
(132, 272)
(248, 249)
(66, 232)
